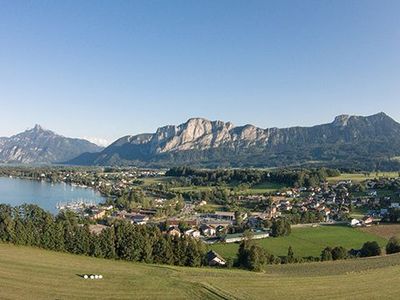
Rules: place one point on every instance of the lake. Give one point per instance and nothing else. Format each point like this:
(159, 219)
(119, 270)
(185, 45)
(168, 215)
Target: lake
(15, 191)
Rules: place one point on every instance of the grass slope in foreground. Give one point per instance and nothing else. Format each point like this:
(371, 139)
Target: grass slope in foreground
(309, 241)
(28, 273)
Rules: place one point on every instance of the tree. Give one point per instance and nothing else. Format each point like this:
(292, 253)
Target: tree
(393, 246)
(339, 253)
(183, 226)
(238, 218)
(250, 255)
(290, 255)
(326, 254)
(370, 249)
(280, 227)
(107, 243)
(257, 258)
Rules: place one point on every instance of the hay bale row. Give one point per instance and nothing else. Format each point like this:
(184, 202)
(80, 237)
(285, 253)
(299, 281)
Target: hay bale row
(92, 276)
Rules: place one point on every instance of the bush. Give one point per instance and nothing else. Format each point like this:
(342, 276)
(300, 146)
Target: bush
(370, 249)
(326, 254)
(393, 246)
(339, 253)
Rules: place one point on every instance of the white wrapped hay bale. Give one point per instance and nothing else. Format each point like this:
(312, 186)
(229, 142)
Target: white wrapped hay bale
(85, 276)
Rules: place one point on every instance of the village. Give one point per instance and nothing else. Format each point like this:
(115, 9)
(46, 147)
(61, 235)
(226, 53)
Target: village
(329, 203)
(148, 197)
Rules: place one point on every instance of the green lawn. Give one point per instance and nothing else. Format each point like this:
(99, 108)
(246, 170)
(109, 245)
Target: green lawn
(308, 241)
(28, 273)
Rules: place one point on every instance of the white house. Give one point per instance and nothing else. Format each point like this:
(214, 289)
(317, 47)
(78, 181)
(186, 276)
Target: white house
(355, 222)
(193, 233)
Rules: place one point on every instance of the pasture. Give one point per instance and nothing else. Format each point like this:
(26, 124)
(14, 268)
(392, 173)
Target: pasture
(383, 230)
(308, 241)
(28, 273)
(358, 177)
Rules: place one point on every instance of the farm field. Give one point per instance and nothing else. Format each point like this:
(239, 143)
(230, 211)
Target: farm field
(192, 188)
(155, 180)
(262, 188)
(259, 189)
(28, 273)
(358, 177)
(309, 241)
(386, 230)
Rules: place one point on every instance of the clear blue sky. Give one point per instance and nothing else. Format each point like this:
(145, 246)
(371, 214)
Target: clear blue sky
(109, 68)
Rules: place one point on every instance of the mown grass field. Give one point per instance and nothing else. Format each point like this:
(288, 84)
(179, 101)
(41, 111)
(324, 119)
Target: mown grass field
(28, 273)
(358, 177)
(262, 188)
(386, 230)
(183, 189)
(308, 241)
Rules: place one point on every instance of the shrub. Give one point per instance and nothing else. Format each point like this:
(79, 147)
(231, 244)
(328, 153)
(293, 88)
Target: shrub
(393, 246)
(339, 253)
(370, 249)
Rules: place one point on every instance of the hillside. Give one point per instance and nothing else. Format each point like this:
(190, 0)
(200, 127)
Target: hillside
(355, 141)
(41, 146)
(27, 273)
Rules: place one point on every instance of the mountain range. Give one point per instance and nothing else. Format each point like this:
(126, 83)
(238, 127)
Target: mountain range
(349, 141)
(41, 146)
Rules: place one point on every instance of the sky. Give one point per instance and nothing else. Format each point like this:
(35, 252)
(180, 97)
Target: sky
(105, 69)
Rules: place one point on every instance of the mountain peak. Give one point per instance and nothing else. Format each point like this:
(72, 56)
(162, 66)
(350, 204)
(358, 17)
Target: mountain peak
(341, 120)
(37, 127)
(39, 145)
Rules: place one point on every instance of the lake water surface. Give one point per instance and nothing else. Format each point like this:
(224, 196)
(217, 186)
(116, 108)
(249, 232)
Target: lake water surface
(15, 191)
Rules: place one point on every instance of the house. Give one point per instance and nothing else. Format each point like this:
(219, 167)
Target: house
(367, 221)
(193, 233)
(224, 215)
(355, 222)
(97, 213)
(214, 259)
(137, 218)
(395, 205)
(237, 237)
(207, 230)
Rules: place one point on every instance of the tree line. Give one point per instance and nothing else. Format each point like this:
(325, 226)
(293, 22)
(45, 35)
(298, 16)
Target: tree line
(290, 177)
(32, 226)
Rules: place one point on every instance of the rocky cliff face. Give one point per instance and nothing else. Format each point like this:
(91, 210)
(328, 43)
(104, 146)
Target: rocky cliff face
(38, 145)
(201, 140)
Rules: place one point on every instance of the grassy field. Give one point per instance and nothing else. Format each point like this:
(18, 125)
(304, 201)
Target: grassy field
(155, 180)
(262, 188)
(357, 177)
(358, 212)
(27, 273)
(309, 241)
(386, 230)
(183, 189)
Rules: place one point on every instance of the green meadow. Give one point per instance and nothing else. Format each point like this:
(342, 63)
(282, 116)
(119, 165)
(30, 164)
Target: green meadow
(308, 241)
(28, 273)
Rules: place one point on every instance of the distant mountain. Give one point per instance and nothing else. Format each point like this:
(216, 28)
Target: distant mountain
(41, 146)
(363, 142)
